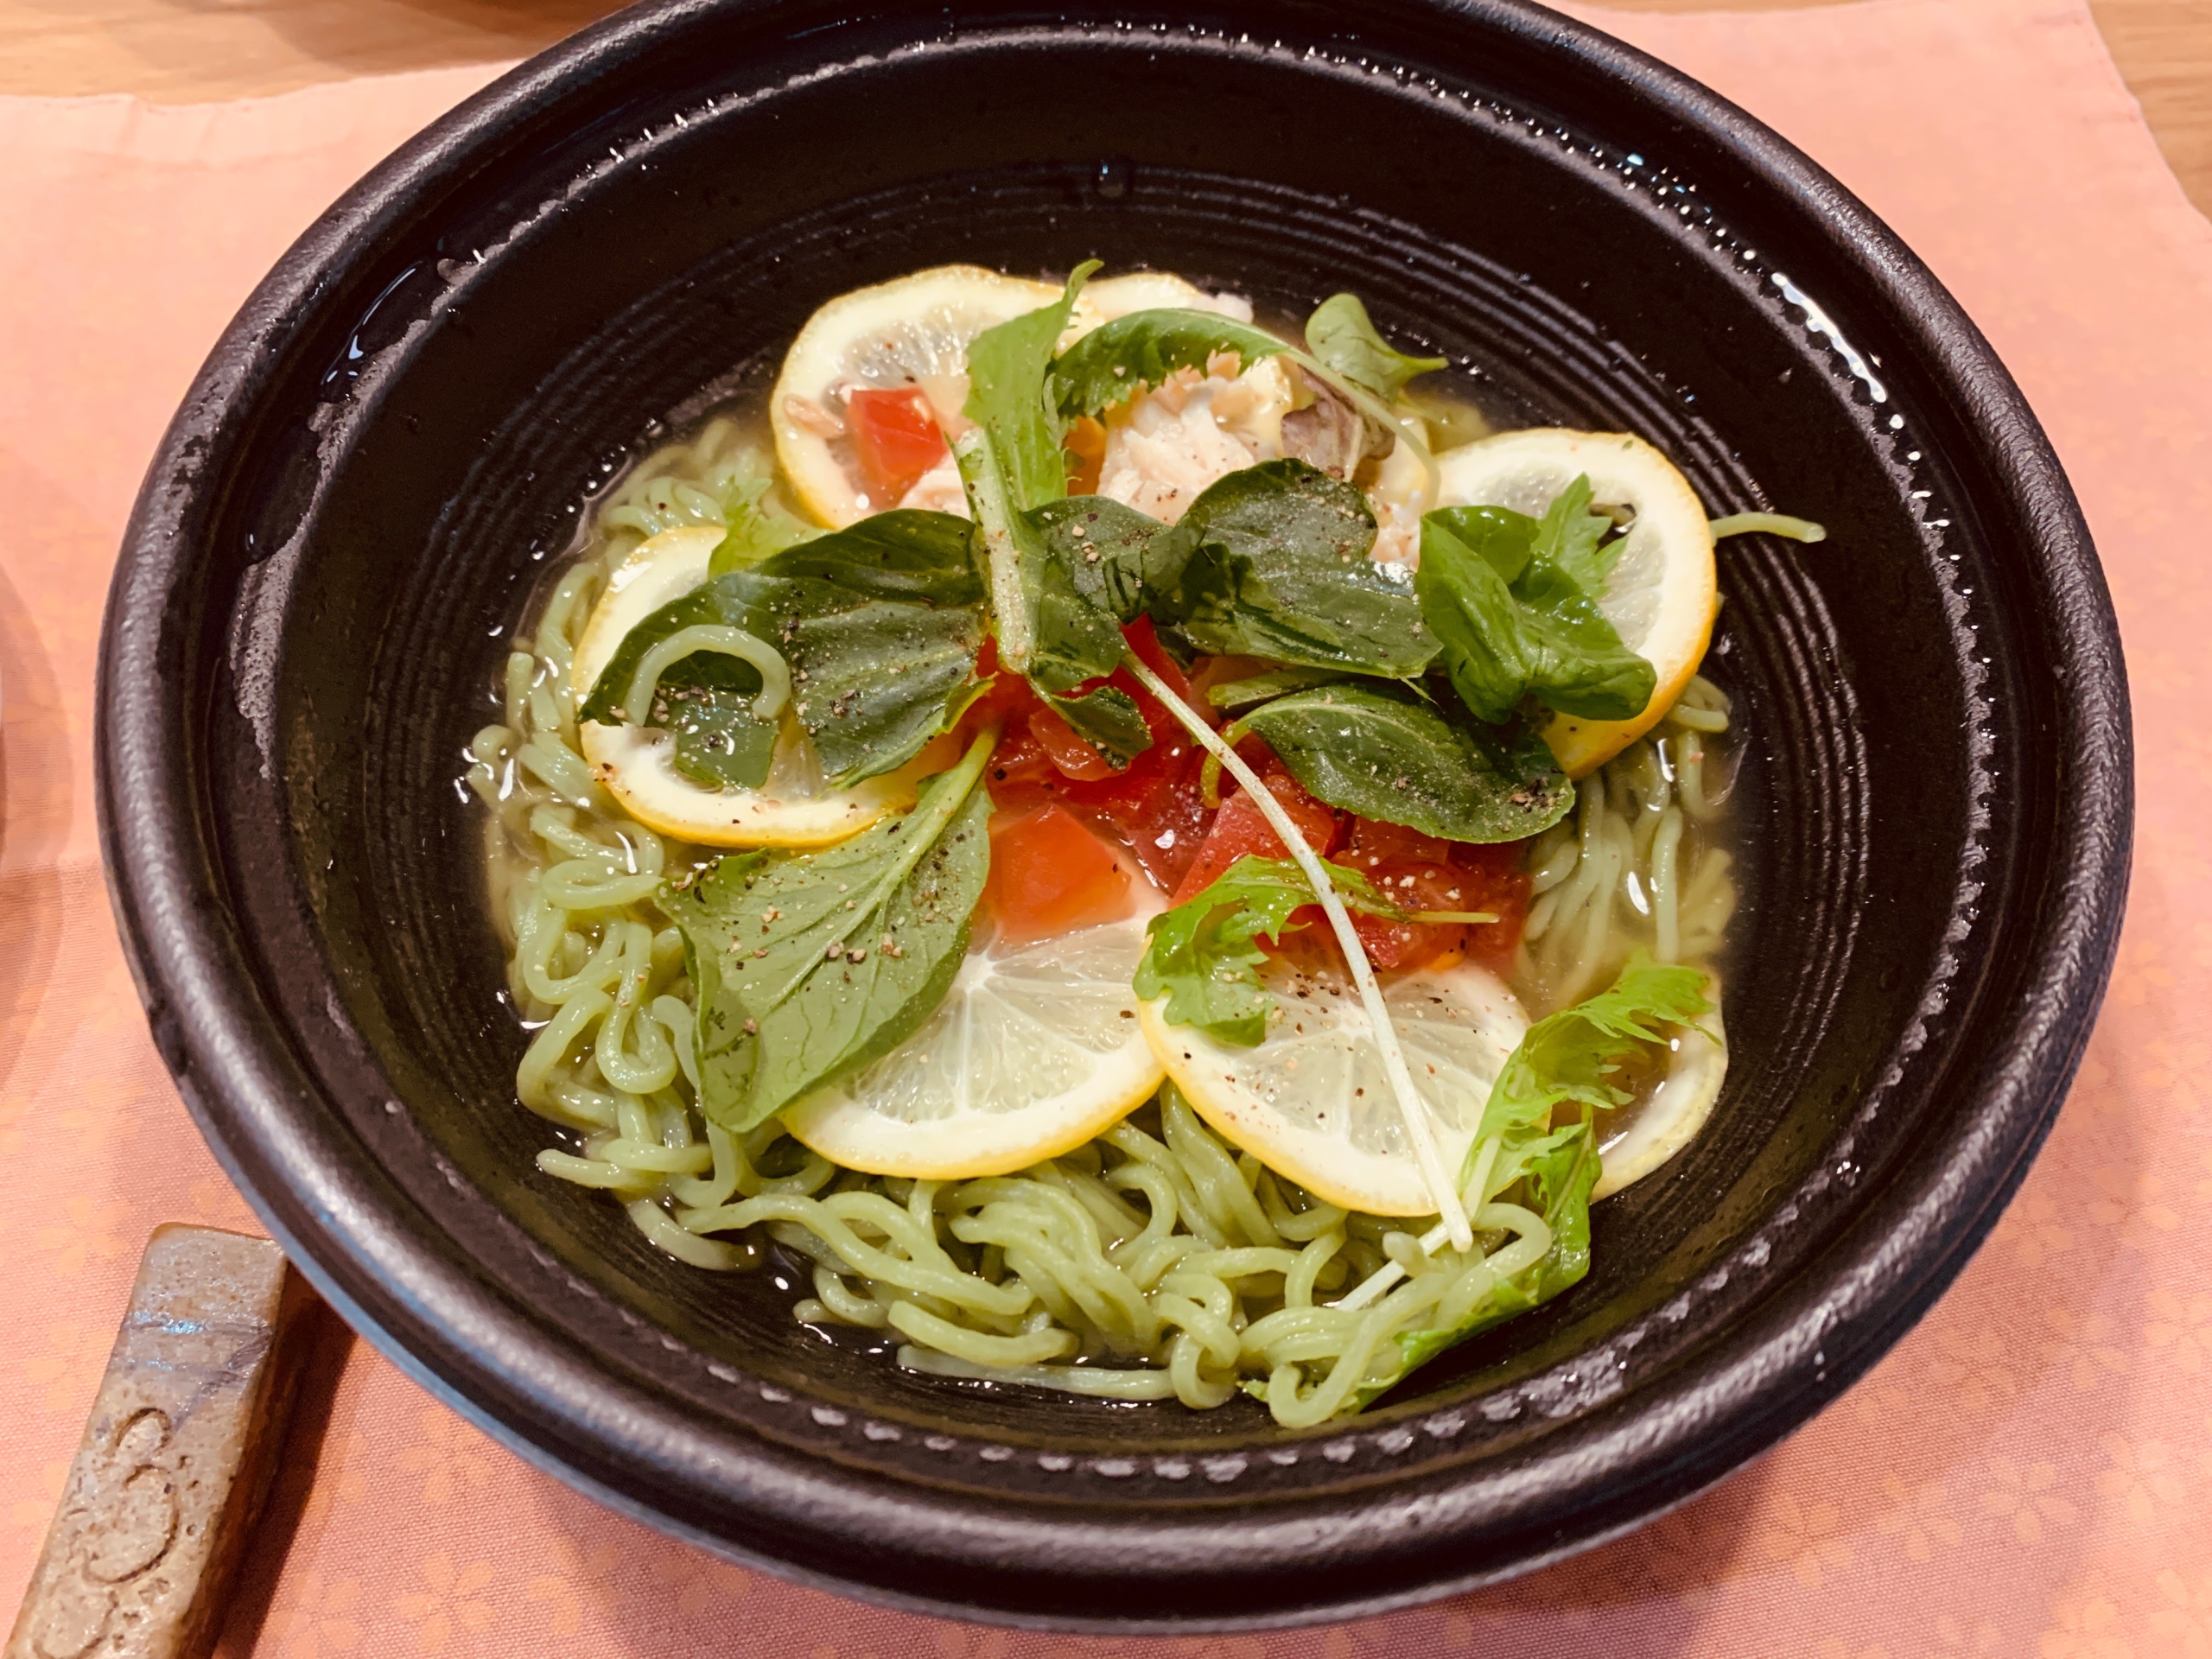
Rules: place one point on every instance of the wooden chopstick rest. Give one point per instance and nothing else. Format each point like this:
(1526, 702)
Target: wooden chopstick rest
(176, 1457)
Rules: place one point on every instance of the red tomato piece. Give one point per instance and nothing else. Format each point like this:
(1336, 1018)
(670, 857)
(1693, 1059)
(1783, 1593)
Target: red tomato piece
(1238, 829)
(1373, 842)
(1005, 703)
(1412, 885)
(1051, 875)
(1074, 758)
(1143, 641)
(1077, 760)
(1420, 872)
(1152, 808)
(1021, 777)
(1494, 877)
(895, 438)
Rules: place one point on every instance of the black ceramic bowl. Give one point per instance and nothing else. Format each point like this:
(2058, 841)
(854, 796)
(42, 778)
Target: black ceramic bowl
(396, 431)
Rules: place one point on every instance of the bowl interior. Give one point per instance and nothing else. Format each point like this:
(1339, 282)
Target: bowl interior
(596, 256)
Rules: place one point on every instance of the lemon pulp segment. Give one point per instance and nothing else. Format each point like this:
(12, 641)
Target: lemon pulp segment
(1311, 1101)
(1036, 1050)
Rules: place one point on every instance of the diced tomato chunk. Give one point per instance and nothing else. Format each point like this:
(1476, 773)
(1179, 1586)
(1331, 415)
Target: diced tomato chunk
(1153, 655)
(1422, 873)
(1021, 776)
(1051, 875)
(1152, 806)
(1006, 704)
(1071, 753)
(1495, 878)
(1372, 842)
(895, 439)
(1415, 886)
(1239, 829)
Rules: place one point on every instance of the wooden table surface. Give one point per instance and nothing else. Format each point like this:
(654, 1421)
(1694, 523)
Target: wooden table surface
(186, 50)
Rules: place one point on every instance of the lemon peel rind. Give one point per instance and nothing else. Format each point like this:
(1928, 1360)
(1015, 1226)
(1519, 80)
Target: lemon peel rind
(1707, 1053)
(816, 357)
(814, 1122)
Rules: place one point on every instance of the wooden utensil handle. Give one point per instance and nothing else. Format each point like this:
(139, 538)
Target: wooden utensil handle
(176, 1457)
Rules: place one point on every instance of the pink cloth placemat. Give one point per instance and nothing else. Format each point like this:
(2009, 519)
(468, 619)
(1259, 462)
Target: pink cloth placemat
(2029, 1473)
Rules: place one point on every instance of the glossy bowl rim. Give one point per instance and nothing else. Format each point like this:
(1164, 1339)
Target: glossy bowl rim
(1797, 1350)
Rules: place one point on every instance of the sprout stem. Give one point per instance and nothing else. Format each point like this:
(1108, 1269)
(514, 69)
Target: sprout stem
(1415, 1114)
(993, 514)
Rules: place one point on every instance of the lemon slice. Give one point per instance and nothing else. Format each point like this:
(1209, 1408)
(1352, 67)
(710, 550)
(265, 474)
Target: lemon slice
(911, 331)
(1110, 297)
(793, 808)
(1661, 597)
(915, 331)
(1036, 1050)
(1652, 1130)
(1311, 1102)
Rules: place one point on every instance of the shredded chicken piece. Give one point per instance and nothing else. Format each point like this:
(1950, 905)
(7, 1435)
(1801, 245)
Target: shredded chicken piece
(810, 416)
(939, 490)
(1397, 534)
(1170, 449)
(1183, 435)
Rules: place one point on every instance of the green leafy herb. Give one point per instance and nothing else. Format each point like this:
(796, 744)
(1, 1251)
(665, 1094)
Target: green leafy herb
(1089, 565)
(1010, 390)
(1341, 336)
(1204, 956)
(1279, 568)
(1560, 1173)
(1514, 602)
(1108, 718)
(1049, 629)
(1569, 1059)
(757, 526)
(1053, 627)
(1115, 557)
(809, 965)
(1383, 753)
(1077, 630)
(906, 555)
(880, 624)
(1116, 360)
